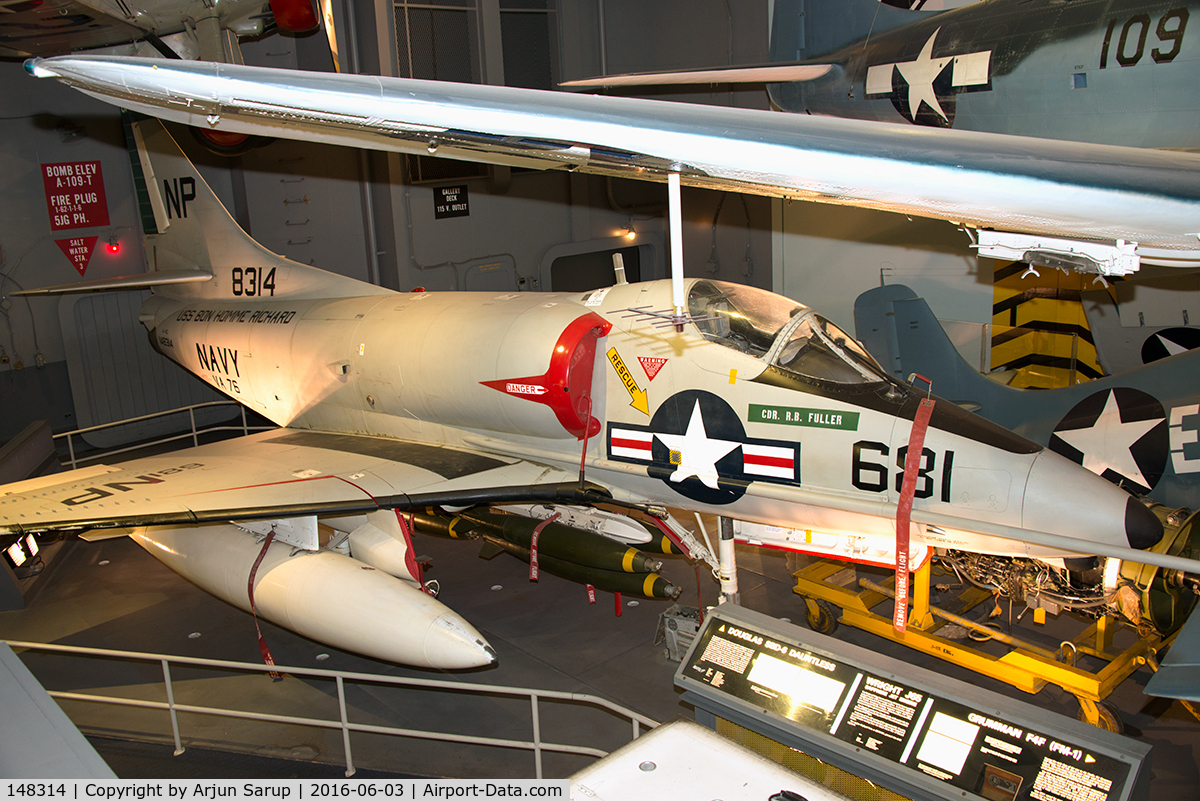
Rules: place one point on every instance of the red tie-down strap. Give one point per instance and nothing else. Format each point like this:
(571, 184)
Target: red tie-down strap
(912, 463)
(533, 541)
(415, 568)
(262, 643)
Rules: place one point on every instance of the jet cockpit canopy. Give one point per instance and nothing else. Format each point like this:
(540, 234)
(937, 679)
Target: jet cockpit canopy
(781, 332)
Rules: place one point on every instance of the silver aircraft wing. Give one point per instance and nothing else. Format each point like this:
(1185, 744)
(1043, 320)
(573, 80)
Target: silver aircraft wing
(1083, 204)
(274, 475)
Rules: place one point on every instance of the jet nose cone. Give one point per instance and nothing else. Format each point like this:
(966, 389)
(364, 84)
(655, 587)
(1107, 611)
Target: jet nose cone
(1063, 498)
(451, 643)
(1142, 527)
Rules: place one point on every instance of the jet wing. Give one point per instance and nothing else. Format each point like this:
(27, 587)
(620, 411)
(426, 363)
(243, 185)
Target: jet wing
(284, 473)
(1053, 189)
(763, 73)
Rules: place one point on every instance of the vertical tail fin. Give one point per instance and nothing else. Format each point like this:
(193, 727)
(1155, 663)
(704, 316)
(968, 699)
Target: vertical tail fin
(898, 328)
(187, 228)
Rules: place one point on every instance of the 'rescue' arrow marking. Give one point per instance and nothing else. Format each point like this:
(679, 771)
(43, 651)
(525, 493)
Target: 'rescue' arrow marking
(637, 395)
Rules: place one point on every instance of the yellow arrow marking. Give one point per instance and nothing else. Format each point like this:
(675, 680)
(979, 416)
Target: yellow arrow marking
(637, 395)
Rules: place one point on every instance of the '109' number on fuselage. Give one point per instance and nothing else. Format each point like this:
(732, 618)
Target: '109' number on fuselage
(872, 476)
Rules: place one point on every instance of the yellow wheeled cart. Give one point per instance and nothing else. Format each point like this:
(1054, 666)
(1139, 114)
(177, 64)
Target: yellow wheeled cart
(1025, 665)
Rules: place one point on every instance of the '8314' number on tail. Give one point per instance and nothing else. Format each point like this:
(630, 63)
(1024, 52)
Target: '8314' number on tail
(252, 282)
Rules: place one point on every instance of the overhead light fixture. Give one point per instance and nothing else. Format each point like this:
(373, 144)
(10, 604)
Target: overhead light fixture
(114, 244)
(630, 232)
(31, 545)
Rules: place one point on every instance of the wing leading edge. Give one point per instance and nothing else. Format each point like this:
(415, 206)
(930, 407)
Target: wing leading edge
(985, 181)
(278, 475)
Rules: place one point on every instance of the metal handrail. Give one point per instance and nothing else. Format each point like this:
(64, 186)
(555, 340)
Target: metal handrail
(74, 461)
(537, 745)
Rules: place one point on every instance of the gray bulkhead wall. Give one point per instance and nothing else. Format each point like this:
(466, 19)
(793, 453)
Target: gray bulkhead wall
(73, 360)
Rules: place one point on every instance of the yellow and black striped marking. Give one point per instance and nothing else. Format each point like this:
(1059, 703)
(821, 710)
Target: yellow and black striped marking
(1039, 328)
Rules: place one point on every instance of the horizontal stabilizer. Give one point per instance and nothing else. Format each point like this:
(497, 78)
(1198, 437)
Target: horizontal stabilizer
(774, 73)
(1179, 674)
(125, 282)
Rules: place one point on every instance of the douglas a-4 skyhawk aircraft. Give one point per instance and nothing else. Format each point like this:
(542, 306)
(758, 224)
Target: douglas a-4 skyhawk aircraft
(442, 411)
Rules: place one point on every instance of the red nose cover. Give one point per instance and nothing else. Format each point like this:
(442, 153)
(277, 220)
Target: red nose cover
(567, 386)
(296, 16)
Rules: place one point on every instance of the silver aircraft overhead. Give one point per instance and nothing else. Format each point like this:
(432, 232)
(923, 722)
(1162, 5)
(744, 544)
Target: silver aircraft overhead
(1119, 72)
(742, 403)
(1092, 207)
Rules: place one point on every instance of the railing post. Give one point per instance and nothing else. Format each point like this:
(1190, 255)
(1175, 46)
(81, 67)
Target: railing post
(245, 428)
(345, 726)
(637, 730)
(192, 417)
(537, 735)
(71, 449)
(171, 705)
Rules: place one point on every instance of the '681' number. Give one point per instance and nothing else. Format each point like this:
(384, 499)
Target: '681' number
(252, 282)
(872, 476)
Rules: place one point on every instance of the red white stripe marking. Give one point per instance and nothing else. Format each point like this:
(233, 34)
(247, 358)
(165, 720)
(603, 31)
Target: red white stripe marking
(768, 460)
(632, 444)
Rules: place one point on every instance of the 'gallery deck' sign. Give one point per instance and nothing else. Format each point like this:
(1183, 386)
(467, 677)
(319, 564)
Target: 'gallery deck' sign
(450, 201)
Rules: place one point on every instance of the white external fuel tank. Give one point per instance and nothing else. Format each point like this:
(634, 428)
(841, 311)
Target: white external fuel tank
(323, 595)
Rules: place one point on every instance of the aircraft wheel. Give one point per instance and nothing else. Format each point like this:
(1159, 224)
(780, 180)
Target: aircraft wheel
(820, 616)
(222, 143)
(1107, 717)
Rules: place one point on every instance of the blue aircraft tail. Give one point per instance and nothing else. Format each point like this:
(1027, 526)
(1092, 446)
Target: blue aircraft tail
(898, 328)
(807, 29)
(1179, 674)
